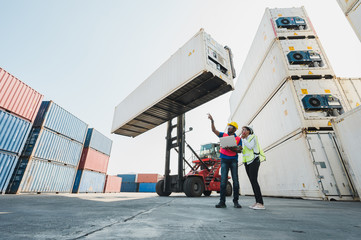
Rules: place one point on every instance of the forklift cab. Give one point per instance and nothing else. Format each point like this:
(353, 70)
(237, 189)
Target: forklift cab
(210, 150)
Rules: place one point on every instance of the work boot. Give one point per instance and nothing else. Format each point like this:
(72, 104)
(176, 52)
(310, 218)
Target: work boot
(237, 205)
(221, 205)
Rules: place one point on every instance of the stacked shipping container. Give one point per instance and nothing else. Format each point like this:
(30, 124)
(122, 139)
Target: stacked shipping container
(112, 184)
(94, 163)
(128, 183)
(147, 181)
(52, 152)
(286, 89)
(18, 107)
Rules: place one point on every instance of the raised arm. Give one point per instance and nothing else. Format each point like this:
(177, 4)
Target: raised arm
(212, 125)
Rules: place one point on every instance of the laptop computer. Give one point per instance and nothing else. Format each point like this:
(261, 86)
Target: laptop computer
(229, 141)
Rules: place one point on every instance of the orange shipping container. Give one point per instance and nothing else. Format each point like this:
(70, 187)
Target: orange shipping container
(148, 177)
(17, 97)
(112, 184)
(93, 160)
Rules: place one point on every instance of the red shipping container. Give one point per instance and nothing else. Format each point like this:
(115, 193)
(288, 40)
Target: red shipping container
(93, 160)
(17, 97)
(148, 177)
(112, 184)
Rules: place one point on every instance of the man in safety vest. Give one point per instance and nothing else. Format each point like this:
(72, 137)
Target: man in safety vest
(253, 155)
(229, 160)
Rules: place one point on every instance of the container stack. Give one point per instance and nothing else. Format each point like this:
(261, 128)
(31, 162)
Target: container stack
(18, 107)
(112, 184)
(128, 183)
(352, 11)
(147, 181)
(93, 164)
(51, 154)
(288, 93)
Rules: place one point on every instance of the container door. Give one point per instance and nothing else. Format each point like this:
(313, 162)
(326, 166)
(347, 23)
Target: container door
(327, 160)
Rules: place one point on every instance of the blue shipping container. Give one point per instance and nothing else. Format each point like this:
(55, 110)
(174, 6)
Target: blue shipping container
(36, 175)
(59, 120)
(13, 132)
(89, 182)
(98, 141)
(127, 177)
(7, 166)
(129, 187)
(48, 145)
(147, 187)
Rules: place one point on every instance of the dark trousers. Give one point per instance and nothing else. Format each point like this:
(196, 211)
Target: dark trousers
(252, 172)
(226, 165)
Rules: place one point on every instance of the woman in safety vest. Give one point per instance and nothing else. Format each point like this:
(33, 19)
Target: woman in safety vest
(229, 160)
(252, 157)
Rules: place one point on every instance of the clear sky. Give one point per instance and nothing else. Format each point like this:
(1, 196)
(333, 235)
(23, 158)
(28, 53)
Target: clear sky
(88, 55)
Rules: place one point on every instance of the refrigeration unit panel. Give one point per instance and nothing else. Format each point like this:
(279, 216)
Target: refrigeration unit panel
(296, 23)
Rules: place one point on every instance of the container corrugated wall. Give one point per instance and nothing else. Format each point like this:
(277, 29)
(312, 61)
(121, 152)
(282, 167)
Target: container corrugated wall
(129, 187)
(89, 182)
(112, 184)
(13, 132)
(147, 187)
(48, 145)
(98, 141)
(127, 177)
(17, 97)
(93, 160)
(54, 117)
(38, 175)
(7, 165)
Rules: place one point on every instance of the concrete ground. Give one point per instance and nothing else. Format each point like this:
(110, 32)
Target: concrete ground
(147, 216)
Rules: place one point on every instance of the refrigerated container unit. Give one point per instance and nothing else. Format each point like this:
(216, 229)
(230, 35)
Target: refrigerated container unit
(286, 115)
(198, 72)
(352, 90)
(307, 166)
(18, 98)
(94, 139)
(348, 135)
(147, 187)
(112, 184)
(148, 177)
(352, 11)
(93, 160)
(273, 27)
(89, 182)
(277, 68)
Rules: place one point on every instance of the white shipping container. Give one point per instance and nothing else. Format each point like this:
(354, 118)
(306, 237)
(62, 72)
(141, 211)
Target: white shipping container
(265, 36)
(285, 116)
(306, 166)
(348, 133)
(273, 72)
(198, 72)
(351, 88)
(354, 17)
(346, 5)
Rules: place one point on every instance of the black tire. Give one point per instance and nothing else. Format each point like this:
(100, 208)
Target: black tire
(193, 187)
(159, 189)
(207, 193)
(229, 189)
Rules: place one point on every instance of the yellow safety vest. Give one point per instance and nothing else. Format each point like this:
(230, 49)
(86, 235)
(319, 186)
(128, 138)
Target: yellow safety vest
(248, 154)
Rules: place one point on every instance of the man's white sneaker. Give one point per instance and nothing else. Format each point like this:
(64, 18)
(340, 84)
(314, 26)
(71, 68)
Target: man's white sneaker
(258, 207)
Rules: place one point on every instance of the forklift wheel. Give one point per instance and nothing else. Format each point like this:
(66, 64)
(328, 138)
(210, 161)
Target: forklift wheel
(193, 187)
(229, 189)
(207, 193)
(159, 189)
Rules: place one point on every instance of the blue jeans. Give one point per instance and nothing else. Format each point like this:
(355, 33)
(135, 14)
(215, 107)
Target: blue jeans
(227, 164)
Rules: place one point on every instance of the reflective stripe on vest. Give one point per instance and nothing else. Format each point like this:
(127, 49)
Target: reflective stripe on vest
(229, 152)
(248, 154)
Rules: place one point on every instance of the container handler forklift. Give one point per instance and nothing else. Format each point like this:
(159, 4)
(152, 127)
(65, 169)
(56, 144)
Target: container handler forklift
(204, 176)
